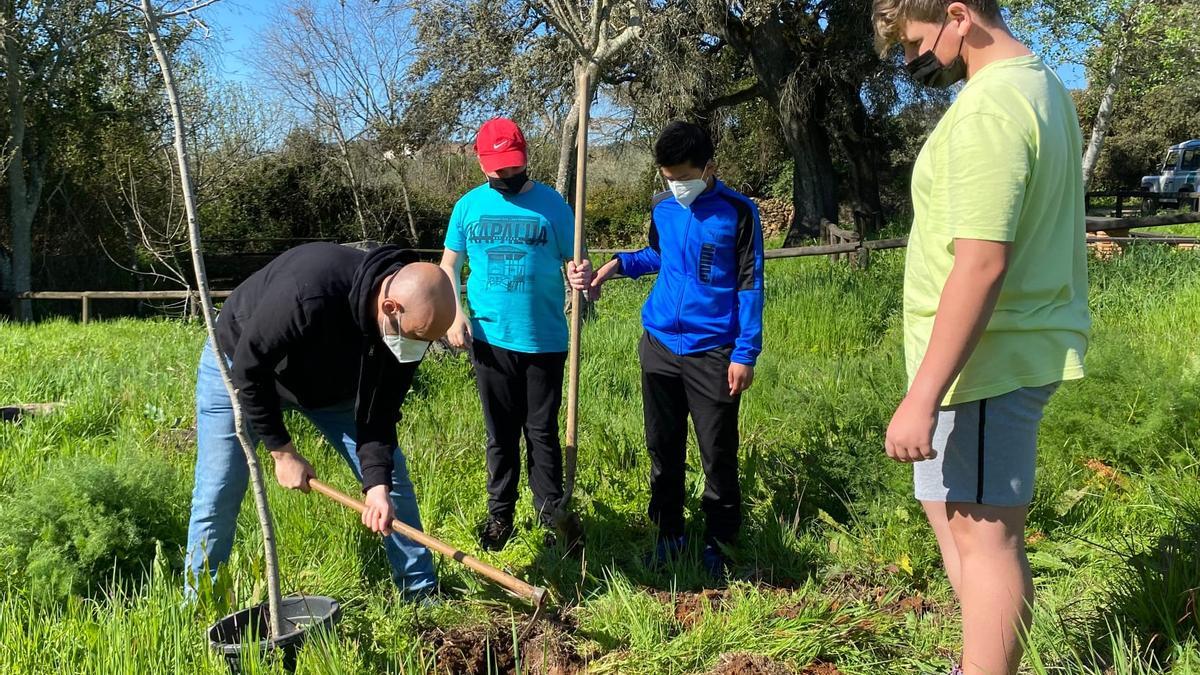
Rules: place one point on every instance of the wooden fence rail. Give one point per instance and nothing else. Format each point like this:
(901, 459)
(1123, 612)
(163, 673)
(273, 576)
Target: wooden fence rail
(843, 243)
(85, 298)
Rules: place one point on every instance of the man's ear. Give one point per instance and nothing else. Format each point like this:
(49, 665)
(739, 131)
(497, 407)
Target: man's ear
(391, 307)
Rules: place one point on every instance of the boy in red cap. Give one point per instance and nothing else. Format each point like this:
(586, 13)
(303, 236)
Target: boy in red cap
(516, 234)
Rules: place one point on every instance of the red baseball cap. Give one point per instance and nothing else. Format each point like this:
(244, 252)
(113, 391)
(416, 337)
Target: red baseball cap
(500, 145)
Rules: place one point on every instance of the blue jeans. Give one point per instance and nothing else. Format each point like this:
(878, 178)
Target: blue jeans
(222, 477)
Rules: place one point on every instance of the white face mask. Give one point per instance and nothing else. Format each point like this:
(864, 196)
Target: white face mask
(406, 350)
(686, 191)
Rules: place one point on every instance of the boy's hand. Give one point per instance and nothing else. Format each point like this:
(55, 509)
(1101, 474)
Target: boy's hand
(910, 434)
(741, 376)
(607, 271)
(378, 514)
(459, 336)
(292, 470)
(580, 276)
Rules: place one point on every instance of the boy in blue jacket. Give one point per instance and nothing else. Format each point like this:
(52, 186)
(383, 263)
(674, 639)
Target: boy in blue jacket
(703, 334)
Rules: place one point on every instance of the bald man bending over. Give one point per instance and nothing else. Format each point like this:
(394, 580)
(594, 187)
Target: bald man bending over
(336, 334)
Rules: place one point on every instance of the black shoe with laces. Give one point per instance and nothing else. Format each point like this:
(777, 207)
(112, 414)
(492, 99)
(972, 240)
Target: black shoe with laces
(495, 533)
(567, 529)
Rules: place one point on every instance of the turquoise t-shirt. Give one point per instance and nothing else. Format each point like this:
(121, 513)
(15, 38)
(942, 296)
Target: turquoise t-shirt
(515, 247)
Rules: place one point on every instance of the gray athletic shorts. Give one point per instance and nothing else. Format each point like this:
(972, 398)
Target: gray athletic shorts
(986, 450)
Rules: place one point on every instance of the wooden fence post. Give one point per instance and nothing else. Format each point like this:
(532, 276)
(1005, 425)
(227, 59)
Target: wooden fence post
(85, 311)
(861, 258)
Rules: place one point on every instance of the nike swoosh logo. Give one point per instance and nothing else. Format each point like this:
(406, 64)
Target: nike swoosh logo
(500, 145)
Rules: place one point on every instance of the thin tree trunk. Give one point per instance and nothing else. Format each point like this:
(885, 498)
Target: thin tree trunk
(566, 153)
(275, 618)
(568, 141)
(1104, 115)
(414, 237)
(22, 214)
(358, 208)
(23, 193)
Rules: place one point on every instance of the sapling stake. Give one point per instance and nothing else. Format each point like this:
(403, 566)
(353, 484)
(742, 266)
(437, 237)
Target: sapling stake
(571, 451)
(275, 616)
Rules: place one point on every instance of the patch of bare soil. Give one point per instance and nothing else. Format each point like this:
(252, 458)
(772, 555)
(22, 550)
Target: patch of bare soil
(690, 607)
(551, 652)
(742, 663)
(851, 588)
(473, 651)
(915, 604)
(489, 649)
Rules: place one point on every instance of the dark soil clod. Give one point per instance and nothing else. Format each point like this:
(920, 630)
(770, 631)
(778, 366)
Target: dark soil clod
(489, 649)
(741, 663)
(690, 607)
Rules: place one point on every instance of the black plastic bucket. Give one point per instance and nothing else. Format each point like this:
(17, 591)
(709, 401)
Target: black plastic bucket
(236, 633)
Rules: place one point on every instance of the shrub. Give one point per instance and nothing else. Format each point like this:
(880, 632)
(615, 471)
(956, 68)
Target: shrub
(617, 217)
(84, 523)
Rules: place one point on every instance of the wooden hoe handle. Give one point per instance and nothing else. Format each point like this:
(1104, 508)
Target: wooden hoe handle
(534, 594)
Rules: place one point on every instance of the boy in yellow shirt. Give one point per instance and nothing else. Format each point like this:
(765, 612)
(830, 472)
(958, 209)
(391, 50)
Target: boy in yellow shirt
(995, 302)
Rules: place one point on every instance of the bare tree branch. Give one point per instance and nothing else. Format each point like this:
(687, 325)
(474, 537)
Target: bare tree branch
(749, 93)
(187, 10)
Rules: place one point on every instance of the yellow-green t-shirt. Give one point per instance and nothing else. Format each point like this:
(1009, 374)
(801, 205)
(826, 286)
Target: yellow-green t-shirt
(1004, 164)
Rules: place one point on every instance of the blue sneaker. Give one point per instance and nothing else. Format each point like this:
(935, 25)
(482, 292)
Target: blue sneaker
(714, 562)
(666, 549)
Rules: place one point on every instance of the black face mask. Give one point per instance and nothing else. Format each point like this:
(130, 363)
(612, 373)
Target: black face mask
(928, 71)
(511, 185)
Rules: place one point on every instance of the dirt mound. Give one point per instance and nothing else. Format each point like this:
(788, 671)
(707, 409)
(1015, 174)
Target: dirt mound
(551, 653)
(690, 607)
(473, 651)
(489, 649)
(742, 663)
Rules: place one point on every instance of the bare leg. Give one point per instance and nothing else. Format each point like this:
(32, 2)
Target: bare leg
(939, 519)
(995, 585)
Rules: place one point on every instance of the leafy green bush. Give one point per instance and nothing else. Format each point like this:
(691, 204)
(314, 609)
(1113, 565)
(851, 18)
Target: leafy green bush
(85, 523)
(781, 186)
(617, 217)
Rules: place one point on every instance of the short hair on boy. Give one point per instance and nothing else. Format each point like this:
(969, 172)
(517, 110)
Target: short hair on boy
(889, 16)
(683, 143)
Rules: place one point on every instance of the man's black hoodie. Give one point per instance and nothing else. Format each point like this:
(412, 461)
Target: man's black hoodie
(303, 331)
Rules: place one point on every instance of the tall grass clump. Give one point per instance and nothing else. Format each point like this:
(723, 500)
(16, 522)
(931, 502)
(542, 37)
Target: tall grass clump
(1154, 592)
(85, 522)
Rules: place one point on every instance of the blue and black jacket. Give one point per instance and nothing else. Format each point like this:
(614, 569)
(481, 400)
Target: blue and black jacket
(709, 260)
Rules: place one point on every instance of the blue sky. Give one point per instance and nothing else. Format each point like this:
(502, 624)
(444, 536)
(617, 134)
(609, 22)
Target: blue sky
(236, 23)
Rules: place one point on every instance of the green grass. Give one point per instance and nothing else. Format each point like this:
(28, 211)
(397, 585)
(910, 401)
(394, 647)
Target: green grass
(836, 564)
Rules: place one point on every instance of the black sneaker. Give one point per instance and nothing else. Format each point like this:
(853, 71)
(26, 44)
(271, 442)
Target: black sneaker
(495, 533)
(714, 562)
(665, 550)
